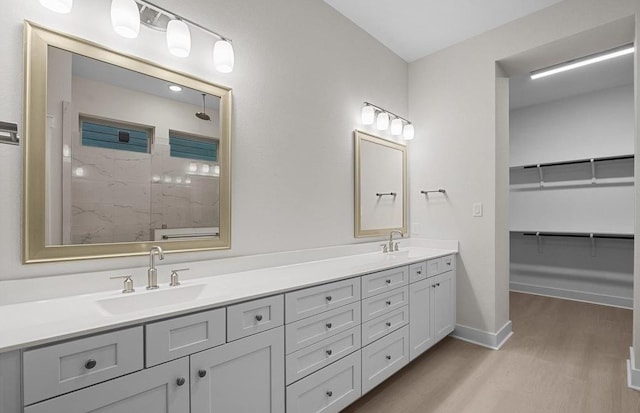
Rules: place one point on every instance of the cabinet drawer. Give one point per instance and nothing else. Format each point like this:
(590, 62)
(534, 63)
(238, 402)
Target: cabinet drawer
(255, 316)
(61, 368)
(381, 326)
(328, 390)
(309, 359)
(417, 271)
(434, 267)
(381, 304)
(177, 337)
(382, 281)
(448, 263)
(148, 390)
(305, 332)
(384, 357)
(315, 300)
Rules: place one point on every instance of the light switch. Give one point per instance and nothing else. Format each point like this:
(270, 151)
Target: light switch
(415, 228)
(477, 209)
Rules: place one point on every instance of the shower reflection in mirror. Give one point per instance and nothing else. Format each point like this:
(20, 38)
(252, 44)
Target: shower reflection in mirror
(129, 161)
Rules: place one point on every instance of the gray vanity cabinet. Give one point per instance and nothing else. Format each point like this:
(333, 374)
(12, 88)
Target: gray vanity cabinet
(432, 305)
(160, 389)
(245, 375)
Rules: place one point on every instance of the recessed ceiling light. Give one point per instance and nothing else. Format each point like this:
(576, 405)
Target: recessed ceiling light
(175, 88)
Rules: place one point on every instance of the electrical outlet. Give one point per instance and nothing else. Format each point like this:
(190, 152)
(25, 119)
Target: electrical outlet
(415, 228)
(477, 209)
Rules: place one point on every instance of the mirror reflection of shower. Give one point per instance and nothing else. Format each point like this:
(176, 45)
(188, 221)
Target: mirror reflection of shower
(203, 115)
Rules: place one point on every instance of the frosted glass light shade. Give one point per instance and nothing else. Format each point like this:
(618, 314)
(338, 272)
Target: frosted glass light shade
(223, 56)
(382, 121)
(368, 115)
(178, 38)
(396, 127)
(408, 132)
(59, 6)
(125, 18)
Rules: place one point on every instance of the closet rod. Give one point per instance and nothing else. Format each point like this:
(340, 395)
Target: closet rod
(608, 158)
(578, 235)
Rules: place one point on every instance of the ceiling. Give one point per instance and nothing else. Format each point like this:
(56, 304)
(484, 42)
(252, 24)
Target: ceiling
(415, 28)
(604, 75)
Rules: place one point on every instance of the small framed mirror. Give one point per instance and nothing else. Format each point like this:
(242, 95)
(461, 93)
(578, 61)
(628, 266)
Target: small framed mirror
(380, 186)
(120, 154)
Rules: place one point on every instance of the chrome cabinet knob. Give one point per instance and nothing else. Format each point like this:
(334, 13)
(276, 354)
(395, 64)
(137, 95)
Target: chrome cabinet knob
(388, 357)
(437, 284)
(202, 373)
(259, 317)
(91, 363)
(419, 272)
(329, 393)
(329, 298)
(181, 381)
(388, 323)
(329, 325)
(329, 352)
(388, 281)
(388, 302)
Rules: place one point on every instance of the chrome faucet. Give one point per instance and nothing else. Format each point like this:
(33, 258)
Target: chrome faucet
(391, 244)
(152, 273)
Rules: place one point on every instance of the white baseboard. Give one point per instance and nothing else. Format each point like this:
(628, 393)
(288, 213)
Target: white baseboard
(494, 341)
(633, 375)
(591, 298)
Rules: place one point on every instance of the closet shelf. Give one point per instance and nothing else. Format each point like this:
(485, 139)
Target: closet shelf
(577, 234)
(624, 175)
(574, 161)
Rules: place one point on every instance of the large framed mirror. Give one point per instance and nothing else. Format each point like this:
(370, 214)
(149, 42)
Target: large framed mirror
(380, 186)
(120, 154)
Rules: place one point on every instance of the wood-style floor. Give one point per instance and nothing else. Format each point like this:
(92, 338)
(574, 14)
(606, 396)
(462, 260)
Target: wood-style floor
(564, 357)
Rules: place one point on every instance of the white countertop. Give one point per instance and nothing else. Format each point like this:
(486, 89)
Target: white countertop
(37, 322)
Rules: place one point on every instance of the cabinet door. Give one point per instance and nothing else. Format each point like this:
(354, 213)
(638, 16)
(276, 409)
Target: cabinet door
(161, 389)
(420, 314)
(444, 305)
(246, 375)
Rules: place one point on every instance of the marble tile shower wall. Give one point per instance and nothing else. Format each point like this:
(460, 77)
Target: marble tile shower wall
(120, 196)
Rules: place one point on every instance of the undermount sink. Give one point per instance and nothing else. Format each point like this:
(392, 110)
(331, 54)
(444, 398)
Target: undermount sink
(145, 300)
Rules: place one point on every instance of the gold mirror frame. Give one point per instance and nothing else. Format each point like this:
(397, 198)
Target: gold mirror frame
(360, 136)
(37, 41)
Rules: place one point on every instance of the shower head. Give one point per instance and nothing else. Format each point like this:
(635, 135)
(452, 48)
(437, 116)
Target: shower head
(203, 115)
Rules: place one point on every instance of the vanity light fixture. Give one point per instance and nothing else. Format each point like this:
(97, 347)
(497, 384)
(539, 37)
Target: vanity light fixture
(125, 18)
(396, 127)
(382, 121)
(205, 168)
(583, 61)
(178, 38)
(399, 125)
(59, 6)
(223, 56)
(368, 114)
(178, 34)
(175, 88)
(193, 167)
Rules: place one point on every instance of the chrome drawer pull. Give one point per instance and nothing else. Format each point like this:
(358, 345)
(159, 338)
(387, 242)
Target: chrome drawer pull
(91, 363)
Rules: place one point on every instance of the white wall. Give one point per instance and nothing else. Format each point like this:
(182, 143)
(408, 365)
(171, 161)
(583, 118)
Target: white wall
(452, 100)
(302, 73)
(590, 125)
